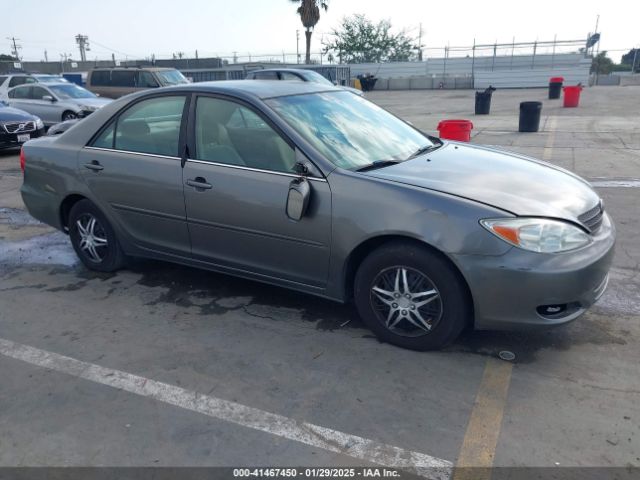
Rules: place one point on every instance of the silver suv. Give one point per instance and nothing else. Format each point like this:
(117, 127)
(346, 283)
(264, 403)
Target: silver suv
(13, 80)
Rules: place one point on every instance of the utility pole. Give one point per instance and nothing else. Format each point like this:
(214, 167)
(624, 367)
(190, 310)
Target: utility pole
(16, 47)
(298, 46)
(596, 31)
(420, 44)
(46, 56)
(83, 46)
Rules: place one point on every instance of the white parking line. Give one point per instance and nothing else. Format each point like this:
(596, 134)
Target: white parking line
(616, 183)
(303, 432)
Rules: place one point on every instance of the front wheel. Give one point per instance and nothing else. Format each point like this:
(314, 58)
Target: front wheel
(94, 239)
(68, 115)
(411, 297)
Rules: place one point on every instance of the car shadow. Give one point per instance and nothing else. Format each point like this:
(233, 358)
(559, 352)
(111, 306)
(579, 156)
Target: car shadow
(212, 293)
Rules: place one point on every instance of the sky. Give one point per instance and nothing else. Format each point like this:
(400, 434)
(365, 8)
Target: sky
(138, 29)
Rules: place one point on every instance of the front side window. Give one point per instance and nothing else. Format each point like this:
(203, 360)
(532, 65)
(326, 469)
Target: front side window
(150, 126)
(146, 80)
(348, 130)
(290, 76)
(266, 75)
(71, 91)
(37, 93)
(229, 133)
(315, 77)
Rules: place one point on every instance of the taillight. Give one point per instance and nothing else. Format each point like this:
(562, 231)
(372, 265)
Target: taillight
(22, 159)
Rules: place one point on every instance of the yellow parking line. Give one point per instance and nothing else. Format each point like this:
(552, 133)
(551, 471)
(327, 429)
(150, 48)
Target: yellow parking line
(548, 148)
(480, 440)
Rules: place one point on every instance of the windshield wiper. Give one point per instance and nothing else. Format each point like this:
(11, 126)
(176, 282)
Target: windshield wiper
(377, 164)
(421, 150)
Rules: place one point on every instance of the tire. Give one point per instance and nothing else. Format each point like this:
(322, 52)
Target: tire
(103, 252)
(69, 115)
(399, 315)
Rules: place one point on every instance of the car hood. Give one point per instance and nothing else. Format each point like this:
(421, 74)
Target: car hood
(515, 183)
(10, 114)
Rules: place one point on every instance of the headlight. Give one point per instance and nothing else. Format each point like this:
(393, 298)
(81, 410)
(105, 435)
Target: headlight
(39, 124)
(538, 234)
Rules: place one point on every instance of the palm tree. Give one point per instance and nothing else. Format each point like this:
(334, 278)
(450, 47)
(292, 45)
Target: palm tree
(309, 11)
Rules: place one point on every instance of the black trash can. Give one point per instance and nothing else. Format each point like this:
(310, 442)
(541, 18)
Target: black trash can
(530, 116)
(555, 87)
(483, 103)
(368, 82)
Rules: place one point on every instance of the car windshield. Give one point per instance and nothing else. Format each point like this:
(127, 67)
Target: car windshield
(315, 77)
(171, 77)
(349, 130)
(71, 91)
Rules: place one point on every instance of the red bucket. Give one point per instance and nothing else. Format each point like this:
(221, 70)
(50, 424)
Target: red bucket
(572, 96)
(459, 130)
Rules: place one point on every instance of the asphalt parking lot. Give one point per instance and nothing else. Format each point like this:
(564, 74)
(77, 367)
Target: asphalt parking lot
(162, 365)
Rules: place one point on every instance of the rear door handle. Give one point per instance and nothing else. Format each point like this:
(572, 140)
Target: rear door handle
(94, 165)
(199, 183)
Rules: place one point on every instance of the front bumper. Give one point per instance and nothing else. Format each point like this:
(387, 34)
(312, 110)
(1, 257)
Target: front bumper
(10, 140)
(513, 291)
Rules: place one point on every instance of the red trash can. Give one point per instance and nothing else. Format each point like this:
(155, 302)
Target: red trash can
(572, 96)
(459, 130)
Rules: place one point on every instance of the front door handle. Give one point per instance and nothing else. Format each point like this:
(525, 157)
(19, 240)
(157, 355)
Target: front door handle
(94, 165)
(199, 183)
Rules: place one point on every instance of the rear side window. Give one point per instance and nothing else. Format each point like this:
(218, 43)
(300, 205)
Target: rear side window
(150, 126)
(15, 81)
(123, 78)
(101, 78)
(20, 92)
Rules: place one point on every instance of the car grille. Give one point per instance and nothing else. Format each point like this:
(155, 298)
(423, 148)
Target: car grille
(592, 219)
(19, 127)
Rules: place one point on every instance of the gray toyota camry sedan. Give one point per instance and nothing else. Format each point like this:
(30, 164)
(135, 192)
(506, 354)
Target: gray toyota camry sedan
(313, 188)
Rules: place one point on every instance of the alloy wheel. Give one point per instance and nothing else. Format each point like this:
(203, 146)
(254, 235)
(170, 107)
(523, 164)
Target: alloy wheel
(406, 301)
(93, 238)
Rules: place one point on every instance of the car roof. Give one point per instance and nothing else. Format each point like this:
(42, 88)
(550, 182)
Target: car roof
(261, 89)
(154, 69)
(290, 70)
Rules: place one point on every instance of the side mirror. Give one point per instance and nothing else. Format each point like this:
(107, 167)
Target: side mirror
(48, 98)
(298, 198)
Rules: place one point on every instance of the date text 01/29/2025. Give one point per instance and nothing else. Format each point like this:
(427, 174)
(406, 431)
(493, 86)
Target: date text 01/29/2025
(315, 472)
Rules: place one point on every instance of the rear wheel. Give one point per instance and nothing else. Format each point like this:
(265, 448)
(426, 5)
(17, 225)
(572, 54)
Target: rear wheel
(93, 238)
(411, 297)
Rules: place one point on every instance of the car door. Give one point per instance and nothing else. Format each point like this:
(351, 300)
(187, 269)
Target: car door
(237, 179)
(133, 170)
(49, 111)
(18, 97)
